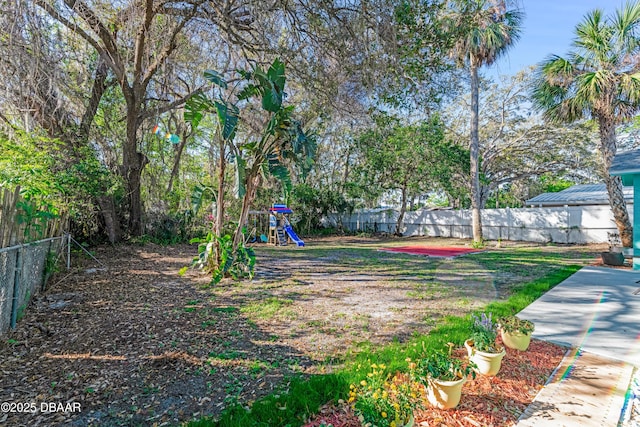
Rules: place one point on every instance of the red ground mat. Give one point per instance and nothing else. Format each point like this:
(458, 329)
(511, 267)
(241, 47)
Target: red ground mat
(432, 250)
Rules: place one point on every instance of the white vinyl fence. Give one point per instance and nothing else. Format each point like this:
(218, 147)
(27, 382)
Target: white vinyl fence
(571, 224)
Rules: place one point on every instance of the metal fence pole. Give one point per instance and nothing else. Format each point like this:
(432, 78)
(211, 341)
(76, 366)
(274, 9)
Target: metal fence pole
(68, 235)
(16, 288)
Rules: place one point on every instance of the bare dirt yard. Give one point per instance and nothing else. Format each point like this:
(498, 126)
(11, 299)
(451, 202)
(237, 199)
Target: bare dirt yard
(134, 343)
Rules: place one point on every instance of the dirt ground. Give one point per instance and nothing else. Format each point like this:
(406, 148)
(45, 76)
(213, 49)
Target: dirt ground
(134, 343)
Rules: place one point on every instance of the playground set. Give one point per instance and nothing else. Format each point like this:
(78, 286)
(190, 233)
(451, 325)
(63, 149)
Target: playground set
(280, 230)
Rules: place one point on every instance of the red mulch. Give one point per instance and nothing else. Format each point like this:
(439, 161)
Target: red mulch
(436, 251)
(486, 401)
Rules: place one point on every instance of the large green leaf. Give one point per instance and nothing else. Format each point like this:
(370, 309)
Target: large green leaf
(271, 99)
(276, 76)
(228, 115)
(215, 78)
(273, 87)
(196, 198)
(283, 175)
(195, 108)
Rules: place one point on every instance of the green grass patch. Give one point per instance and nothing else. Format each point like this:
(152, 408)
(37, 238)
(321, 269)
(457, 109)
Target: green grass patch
(287, 407)
(426, 291)
(225, 355)
(227, 310)
(269, 308)
(303, 396)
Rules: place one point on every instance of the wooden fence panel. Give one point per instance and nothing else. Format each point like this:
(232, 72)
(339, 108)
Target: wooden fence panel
(8, 224)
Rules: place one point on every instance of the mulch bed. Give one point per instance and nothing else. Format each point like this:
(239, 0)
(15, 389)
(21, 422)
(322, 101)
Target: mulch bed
(486, 401)
(434, 251)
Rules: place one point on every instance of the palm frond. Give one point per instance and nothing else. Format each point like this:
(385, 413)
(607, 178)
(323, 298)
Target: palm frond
(594, 85)
(594, 38)
(626, 22)
(485, 30)
(600, 76)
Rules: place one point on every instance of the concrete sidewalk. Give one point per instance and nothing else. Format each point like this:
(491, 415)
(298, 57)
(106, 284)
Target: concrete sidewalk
(597, 309)
(597, 313)
(586, 391)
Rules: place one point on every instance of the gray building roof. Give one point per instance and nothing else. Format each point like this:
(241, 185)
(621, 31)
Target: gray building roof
(578, 195)
(626, 163)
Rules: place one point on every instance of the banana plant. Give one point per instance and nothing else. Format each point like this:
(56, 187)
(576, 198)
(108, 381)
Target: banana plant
(281, 143)
(227, 114)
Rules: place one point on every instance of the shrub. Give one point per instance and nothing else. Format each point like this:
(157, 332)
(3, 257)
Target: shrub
(484, 334)
(513, 324)
(441, 366)
(384, 400)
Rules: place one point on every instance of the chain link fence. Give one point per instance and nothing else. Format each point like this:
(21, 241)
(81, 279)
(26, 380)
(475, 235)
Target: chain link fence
(24, 270)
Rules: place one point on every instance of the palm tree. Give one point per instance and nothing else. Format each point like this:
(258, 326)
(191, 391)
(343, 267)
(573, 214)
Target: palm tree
(599, 79)
(484, 29)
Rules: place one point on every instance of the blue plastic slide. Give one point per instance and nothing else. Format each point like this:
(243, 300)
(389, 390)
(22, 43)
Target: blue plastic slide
(292, 235)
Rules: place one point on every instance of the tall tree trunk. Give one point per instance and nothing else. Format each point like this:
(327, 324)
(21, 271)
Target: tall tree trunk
(133, 162)
(253, 181)
(222, 163)
(614, 183)
(403, 210)
(345, 177)
(176, 162)
(111, 222)
(476, 221)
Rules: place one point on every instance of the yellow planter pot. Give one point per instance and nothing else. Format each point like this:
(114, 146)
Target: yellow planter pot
(445, 394)
(516, 340)
(410, 423)
(487, 363)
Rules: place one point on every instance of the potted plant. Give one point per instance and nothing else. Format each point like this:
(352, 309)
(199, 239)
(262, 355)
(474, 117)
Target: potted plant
(384, 400)
(443, 376)
(482, 347)
(516, 332)
(614, 256)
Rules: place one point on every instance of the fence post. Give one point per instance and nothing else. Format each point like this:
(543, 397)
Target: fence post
(16, 288)
(68, 251)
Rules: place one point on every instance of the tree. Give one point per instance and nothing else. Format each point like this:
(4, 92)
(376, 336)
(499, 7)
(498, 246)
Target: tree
(515, 146)
(136, 40)
(51, 182)
(313, 204)
(398, 157)
(421, 75)
(484, 30)
(143, 47)
(54, 83)
(599, 79)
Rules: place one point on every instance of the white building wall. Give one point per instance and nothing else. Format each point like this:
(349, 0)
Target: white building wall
(570, 224)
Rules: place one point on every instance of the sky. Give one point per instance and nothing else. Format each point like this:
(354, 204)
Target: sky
(548, 29)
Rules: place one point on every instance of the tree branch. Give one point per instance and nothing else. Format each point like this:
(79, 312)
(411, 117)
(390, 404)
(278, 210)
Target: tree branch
(99, 87)
(168, 107)
(168, 49)
(110, 49)
(140, 41)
